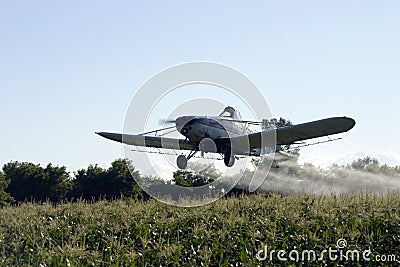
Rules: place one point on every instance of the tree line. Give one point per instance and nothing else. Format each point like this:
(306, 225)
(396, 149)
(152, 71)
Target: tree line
(25, 181)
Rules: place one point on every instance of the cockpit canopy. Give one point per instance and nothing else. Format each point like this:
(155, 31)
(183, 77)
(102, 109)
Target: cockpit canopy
(230, 112)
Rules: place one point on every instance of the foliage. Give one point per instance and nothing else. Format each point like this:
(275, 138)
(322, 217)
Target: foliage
(204, 175)
(95, 182)
(33, 182)
(366, 164)
(5, 197)
(23, 181)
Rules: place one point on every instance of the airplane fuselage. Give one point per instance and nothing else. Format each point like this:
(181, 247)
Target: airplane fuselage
(197, 128)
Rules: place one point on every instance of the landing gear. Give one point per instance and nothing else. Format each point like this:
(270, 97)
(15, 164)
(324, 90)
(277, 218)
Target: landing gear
(229, 160)
(181, 160)
(275, 164)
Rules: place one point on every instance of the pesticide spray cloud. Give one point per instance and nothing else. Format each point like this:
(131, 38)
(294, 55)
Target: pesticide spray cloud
(292, 178)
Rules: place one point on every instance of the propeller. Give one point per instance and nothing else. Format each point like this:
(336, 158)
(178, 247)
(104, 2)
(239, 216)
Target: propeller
(165, 121)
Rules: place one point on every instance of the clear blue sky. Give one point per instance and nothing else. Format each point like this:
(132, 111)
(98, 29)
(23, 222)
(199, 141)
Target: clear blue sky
(70, 68)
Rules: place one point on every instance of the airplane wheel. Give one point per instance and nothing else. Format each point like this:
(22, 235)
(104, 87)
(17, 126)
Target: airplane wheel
(181, 161)
(229, 160)
(207, 145)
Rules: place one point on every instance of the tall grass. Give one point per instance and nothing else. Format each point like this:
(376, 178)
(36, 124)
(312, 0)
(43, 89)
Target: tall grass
(228, 232)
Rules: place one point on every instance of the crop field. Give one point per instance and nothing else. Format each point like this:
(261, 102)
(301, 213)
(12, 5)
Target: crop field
(233, 231)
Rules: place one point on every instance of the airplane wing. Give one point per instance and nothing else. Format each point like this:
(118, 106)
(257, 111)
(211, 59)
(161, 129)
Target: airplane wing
(284, 136)
(293, 133)
(290, 134)
(149, 141)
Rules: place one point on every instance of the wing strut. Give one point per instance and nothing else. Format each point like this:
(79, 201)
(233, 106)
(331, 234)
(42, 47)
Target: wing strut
(304, 144)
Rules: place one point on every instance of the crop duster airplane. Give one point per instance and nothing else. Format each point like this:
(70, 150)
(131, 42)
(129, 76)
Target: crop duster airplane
(230, 136)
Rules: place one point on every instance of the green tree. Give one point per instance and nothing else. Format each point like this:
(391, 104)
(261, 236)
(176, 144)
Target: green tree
(191, 179)
(122, 177)
(32, 182)
(369, 164)
(366, 164)
(89, 183)
(5, 198)
(205, 175)
(118, 180)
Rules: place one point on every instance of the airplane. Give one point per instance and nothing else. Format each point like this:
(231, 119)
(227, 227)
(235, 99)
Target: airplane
(230, 136)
